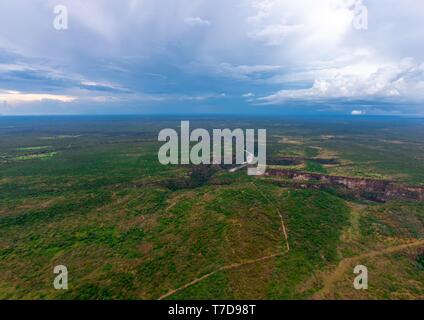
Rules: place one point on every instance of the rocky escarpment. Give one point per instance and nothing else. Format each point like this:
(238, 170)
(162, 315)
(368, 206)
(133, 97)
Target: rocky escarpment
(376, 190)
(293, 161)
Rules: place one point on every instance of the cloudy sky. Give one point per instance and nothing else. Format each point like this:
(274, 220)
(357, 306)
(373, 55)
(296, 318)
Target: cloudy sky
(212, 56)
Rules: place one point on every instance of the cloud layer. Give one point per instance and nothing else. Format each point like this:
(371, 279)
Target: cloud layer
(212, 56)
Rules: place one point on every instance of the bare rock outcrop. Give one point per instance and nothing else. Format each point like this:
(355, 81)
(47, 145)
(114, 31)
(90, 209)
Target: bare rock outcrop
(372, 189)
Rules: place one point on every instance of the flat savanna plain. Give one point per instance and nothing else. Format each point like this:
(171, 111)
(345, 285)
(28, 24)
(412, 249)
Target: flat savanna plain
(90, 194)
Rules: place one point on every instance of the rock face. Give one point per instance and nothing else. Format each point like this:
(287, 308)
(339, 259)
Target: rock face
(376, 190)
(293, 161)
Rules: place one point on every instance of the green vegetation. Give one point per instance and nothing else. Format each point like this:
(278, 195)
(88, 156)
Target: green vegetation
(36, 156)
(33, 148)
(127, 227)
(314, 166)
(420, 261)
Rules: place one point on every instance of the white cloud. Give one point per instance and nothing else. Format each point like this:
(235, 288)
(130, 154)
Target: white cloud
(7, 67)
(14, 97)
(224, 69)
(197, 21)
(357, 112)
(404, 81)
(274, 34)
(322, 22)
(248, 69)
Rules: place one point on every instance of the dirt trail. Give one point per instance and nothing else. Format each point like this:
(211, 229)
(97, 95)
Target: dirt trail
(344, 264)
(236, 265)
(283, 226)
(227, 267)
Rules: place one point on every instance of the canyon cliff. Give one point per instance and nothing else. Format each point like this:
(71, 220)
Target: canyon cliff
(371, 189)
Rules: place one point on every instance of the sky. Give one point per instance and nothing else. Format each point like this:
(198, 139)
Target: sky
(354, 57)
